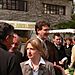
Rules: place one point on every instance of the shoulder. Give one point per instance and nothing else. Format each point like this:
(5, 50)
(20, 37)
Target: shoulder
(23, 64)
(5, 54)
(7, 57)
(50, 67)
(49, 64)
(24, 67)
(73, 48)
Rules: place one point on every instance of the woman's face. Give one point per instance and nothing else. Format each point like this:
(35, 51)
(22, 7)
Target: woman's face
(32, 53)
(68, 42)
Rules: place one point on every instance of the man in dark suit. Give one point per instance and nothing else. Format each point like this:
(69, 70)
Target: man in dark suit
(8, 62)
(61, 55)
(42, 29)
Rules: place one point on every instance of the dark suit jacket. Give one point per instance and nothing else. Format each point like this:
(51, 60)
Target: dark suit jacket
(68, 52)
(52, 52)
(60, 52)
(8, 64)
(18, 55)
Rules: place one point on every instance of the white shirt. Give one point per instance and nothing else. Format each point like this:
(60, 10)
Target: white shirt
(35, 72)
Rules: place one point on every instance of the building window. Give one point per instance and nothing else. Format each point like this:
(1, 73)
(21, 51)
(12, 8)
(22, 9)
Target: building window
(13, 5)
(54, 9)
(0, 4)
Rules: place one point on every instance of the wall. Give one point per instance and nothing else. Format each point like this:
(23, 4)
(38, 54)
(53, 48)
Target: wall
(35, 9)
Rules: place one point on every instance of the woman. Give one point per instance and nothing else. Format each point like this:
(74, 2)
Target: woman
(72, 64)
(36, 65)
(68, 47)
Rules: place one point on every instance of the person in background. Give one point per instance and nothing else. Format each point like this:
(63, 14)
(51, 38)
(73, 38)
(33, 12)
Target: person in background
(73, 40)
(8, 62)
(16, 41)
(73, 56)
(73, 52)
(72, 64)
(42, 32)
(68, 47)
(15, 47)
(57, 40)
(36, 65)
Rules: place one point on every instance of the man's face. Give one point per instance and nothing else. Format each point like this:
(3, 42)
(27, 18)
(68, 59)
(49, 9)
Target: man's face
(9, 41)
(57, 40)
(43, 33)
(15, 39)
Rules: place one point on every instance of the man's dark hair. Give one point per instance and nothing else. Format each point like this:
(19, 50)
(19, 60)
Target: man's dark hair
(39, 25)
(5, 29)
(56, 34)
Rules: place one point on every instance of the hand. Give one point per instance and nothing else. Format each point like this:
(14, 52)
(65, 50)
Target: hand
(60, 62)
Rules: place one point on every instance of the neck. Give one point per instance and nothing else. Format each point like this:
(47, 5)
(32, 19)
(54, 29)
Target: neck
(36, 61)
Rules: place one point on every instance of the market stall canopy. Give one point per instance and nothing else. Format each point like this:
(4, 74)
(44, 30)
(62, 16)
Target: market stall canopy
(21, 25)
(62, 31)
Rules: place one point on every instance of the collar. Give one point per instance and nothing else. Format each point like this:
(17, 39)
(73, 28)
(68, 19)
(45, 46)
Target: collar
(39, 38)
(56, 45)
(43, 41)
(40, 62)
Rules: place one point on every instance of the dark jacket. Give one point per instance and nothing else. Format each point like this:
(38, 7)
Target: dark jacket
(60, 52)
(52, 52)
(68, 53)
(8, 64)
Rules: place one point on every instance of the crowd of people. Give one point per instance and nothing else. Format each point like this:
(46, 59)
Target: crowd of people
(42, 56)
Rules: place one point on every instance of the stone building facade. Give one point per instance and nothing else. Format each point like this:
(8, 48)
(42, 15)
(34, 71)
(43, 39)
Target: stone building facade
(52, 10)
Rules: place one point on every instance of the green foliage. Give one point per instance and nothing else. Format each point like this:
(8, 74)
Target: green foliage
(73, 17)
(71, 71)
(65, 25)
